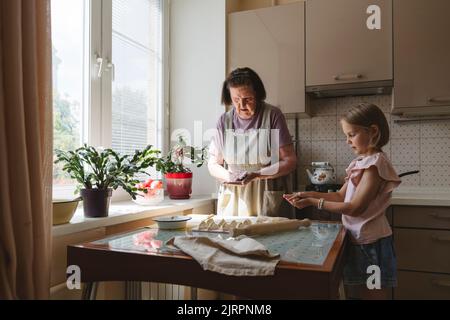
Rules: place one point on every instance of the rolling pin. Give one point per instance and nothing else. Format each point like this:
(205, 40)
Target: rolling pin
(270, 227)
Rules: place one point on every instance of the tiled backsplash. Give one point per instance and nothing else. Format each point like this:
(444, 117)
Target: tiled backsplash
(422, 145)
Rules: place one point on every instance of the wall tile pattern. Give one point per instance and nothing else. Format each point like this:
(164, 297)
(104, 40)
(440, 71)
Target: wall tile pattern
(422, 145)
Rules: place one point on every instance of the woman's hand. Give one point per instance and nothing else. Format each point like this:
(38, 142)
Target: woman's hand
(249, 177)
(299, 200)
(246, 179)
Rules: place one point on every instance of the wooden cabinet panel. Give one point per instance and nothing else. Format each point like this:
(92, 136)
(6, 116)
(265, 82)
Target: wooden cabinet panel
(340, 48)
(422, 217)
(421, 54)
(419, 285)
(271, 41)
(422, 250)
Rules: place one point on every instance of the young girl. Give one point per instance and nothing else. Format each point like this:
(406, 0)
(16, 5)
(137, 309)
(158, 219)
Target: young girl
(362, 201)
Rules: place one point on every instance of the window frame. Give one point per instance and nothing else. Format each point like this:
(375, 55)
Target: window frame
(97, 117)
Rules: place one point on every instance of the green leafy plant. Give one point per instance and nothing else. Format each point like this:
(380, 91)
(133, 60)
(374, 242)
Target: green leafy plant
(102, 169)
(179, 156)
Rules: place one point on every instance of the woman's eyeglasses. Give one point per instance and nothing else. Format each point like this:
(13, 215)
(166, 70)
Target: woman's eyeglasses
(244, 101)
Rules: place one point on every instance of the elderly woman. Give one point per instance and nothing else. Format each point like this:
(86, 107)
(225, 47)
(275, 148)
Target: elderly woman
(252, 154)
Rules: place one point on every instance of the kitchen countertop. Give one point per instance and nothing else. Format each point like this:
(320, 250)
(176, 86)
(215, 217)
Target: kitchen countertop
(421, 196)
(418, 196)
(127, 211)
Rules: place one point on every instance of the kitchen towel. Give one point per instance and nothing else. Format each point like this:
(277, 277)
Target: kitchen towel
(240, 256)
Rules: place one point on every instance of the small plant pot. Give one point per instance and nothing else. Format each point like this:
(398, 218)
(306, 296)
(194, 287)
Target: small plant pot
(179, 185)
(96, 202)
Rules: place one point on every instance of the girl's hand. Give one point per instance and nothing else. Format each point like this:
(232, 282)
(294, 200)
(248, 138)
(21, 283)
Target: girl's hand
(297, 200)
(295, 196)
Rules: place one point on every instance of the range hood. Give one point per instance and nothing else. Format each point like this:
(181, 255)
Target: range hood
(351, 89)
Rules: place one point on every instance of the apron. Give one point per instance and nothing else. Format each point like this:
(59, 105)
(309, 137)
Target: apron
(250, 151)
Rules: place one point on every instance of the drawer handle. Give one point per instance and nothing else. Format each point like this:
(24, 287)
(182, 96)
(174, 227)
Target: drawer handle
(439, 216)
(439, 99)
(442, 239)
(441, 283)
(348, 77)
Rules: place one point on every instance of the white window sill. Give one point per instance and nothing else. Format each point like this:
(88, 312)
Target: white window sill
(127, 211)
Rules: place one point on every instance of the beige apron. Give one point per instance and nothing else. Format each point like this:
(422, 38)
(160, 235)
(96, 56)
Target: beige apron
(251, 151)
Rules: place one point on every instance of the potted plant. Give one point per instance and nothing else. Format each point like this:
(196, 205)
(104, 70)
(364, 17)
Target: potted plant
(177, 175)
(100, 171)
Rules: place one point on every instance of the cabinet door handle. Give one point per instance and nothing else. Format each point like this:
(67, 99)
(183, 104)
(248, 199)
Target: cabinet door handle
(439, 99)
(441, 283)
(441, 239)
(439, 216)
(355, 76)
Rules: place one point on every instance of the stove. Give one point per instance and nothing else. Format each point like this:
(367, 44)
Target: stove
(323, 187)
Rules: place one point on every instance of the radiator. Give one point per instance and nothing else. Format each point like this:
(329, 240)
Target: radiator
(154, 291)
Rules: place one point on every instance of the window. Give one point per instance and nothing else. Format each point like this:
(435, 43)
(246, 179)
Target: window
(107, 76)
(136, 50)
(70, 74)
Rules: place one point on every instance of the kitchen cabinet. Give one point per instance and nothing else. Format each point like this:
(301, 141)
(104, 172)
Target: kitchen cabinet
(340, 47)
(422, 245)
(271, 42)
(421, 57)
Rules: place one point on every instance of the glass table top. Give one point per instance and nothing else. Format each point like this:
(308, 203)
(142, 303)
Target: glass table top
(305, 245)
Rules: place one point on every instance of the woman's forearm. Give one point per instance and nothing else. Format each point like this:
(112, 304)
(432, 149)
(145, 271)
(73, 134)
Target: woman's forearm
(279, 169)
(218, 172)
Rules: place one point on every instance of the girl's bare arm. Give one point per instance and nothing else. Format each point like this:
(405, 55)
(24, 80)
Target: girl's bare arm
(365, 193)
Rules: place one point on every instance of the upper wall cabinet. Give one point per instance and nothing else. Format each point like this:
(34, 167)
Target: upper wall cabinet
(421, 57)
(348, 41)
(271, 42)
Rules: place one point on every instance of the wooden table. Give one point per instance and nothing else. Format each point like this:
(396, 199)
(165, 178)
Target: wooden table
(99, 261)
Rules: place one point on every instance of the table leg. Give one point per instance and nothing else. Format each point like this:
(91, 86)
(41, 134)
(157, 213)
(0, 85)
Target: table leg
(194, 293)
(89, 291)
(342, 291)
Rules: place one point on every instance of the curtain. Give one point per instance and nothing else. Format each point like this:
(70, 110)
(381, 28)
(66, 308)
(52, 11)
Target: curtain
(25, 149)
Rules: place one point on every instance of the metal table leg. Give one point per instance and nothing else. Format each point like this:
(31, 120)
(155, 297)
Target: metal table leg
(89, 291)
(194, 293)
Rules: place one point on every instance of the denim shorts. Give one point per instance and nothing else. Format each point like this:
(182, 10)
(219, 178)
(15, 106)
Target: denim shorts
(360, 256)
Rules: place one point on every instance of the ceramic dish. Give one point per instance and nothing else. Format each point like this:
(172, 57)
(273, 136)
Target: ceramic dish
(64, 209)
(172, 222)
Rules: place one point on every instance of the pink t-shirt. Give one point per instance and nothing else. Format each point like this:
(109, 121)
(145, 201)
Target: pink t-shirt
(372, 224)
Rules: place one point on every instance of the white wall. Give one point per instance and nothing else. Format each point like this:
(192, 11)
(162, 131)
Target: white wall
(197, 70)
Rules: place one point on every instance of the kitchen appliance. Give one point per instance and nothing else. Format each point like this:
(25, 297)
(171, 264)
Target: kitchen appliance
(323, 173)
(351, 89)
(323, 187)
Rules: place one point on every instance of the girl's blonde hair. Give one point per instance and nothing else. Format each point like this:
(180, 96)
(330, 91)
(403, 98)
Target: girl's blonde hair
(366, 115)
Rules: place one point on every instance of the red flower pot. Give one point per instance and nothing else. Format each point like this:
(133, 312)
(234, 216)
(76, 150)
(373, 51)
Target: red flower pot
(179, 185)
